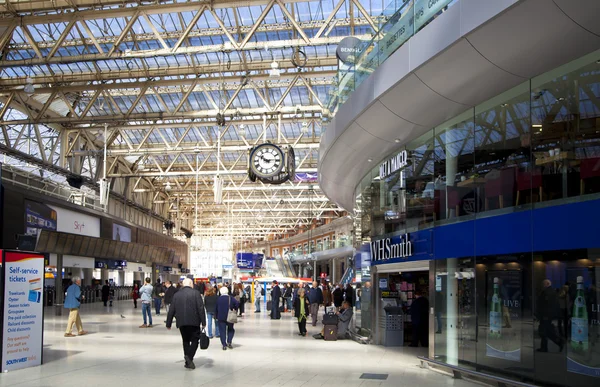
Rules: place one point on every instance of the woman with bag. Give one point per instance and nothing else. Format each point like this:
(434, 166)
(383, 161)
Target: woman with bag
(226, 313)
(301, 307)
(210, 303)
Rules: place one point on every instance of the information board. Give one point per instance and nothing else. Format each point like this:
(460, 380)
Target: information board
(23, 314)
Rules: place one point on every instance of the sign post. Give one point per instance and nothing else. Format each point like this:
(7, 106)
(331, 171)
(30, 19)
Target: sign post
(23, 309)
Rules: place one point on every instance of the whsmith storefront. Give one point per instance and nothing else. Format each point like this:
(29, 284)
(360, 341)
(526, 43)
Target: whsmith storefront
(494, 216)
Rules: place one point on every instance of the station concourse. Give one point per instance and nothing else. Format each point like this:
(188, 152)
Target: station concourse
(115, 352)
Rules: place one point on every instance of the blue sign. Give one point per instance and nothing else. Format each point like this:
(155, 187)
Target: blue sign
(39, 216)
(248, 261)
(402, 247)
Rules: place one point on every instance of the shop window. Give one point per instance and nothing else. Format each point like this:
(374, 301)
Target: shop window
(419, 182)
(566, 129)
(502, 150)
(457, 187)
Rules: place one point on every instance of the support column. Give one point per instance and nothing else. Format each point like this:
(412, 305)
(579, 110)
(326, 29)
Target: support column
(332, 275)
(154, 275)
(60, 294)
(88, 274)
(451, 169)
(121, 277)
(452, 314)
(103, 275)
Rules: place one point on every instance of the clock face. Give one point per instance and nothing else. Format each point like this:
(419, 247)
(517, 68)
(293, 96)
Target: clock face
(266, 160)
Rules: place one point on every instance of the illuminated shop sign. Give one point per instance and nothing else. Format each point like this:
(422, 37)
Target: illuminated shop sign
(392, 165)
(385, 249)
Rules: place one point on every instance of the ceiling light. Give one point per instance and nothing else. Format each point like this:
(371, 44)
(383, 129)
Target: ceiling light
(29, 88)
(274, 72)
(397, 141)
(370, 160)
(168, 186)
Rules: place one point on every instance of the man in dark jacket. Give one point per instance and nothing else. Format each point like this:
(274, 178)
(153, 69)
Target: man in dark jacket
(547, 310)
(419, 310)
(275, 298)
(105, 292)
(170, 291)
(349, 295)
(338, 296)
(188, 309)
(157, 295)
(315, 297)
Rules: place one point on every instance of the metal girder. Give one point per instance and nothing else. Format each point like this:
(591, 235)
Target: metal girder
(92, 9)
(163, 116)
(41, 60)
(160, 150)
(194, 173)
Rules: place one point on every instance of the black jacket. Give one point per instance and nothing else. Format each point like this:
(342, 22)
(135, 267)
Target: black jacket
(338, 297)
(547, 306)
(105, 292)
(210, 303)
(169, 293)
(349, 295)
(188, 308)
(297, 307)
(419, 310)
(200, 287)
(157, 290)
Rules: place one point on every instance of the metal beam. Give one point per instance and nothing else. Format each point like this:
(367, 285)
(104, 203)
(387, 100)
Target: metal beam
(210, 114)
(248, 46)
(193, 173)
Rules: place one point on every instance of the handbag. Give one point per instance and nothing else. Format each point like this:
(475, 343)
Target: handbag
(204, 340)
(232, 317)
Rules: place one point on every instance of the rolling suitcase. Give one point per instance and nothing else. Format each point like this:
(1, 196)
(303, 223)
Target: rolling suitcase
(269, 305)
(330, 333)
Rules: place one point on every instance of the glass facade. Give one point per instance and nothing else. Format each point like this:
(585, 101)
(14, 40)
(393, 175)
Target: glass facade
(511, 192)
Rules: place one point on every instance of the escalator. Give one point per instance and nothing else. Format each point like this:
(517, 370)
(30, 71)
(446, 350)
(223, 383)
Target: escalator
(348, 276)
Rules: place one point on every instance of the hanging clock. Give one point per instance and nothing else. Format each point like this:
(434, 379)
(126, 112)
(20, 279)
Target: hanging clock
(266, 160)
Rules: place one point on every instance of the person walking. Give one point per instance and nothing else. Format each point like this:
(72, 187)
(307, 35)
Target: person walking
(327, 297)
(225, 303)
(242, 299)
(315, 297)
(170, 291)
(301, 307)
(105, 292)
(419, 317)
(135, 294)
(157, 295)
(146, 296)
(546, 311)
(72, 302)
(257, 296)
(188, 309)
(287, 297)
(275, 298)
(210, 304)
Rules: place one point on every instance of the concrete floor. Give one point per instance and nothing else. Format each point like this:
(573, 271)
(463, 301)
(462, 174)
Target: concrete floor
(266, 353)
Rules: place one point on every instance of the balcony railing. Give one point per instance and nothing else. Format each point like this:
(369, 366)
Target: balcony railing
(404, 19)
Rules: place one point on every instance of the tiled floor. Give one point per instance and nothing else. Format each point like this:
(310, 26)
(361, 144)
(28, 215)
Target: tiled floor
(266, 353)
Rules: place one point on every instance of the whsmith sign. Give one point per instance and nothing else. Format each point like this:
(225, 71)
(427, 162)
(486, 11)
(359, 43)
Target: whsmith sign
(387, 248)
(392, 165)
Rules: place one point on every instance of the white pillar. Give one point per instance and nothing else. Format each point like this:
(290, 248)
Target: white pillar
(452, 313)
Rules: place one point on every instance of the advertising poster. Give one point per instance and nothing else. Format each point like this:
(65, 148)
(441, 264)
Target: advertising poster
(23, 310)
(38, 217)
(505, 314)
(583, 351)
(121, 233)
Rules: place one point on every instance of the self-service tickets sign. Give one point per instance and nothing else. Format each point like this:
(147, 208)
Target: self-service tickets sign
(23, 310)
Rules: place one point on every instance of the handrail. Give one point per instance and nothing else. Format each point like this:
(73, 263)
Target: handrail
(409, 18)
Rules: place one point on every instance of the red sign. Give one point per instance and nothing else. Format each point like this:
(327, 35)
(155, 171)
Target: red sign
(323, 275)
